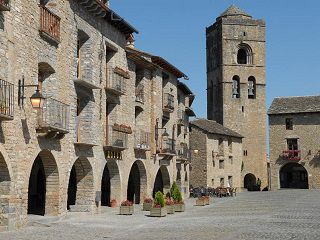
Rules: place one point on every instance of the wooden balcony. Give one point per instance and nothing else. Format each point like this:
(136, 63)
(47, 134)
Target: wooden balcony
(168, 102)
(142, 140)
(6, 100)
(116, 82)
(53, 119)
(4, 5)
(291, 155)
(116, 139)
(49, 24)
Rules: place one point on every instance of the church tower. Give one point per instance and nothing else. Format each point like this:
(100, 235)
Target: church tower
(236, 85)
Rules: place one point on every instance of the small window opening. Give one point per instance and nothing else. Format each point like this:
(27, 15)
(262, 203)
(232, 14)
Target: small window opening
(289, 124)
(242, 56)
(235, 87)
(251, 88)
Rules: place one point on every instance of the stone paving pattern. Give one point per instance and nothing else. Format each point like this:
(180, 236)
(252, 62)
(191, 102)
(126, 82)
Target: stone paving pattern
(286, 214)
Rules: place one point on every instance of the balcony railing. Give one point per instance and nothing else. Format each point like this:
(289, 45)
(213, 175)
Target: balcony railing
(49, 24)
(184, 153)
(116, 139)
(4, 5)
(291, 155)
(182, 117)
(140, 93)
(116, 83)
(54, 116)
(6, 100)
(141, 140)
(168, 147)
(168, 102)
(83, 132)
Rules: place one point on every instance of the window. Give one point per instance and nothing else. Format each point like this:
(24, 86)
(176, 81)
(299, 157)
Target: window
(213, 163)
(235, 87)
(230, 181)
(221, 182)
(212, 182)
(289, 124)
(242, 56)
(221, 164)
(221, 147)
(231, 160)
(251, 88)
(245, 153)
(230, 145)
(292, 144)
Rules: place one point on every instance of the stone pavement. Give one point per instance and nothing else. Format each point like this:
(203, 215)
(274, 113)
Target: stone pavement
(285, 214)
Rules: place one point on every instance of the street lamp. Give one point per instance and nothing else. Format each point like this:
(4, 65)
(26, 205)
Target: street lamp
(37, 99)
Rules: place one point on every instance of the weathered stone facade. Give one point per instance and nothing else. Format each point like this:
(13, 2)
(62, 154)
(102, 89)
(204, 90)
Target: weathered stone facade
(294, 128)
(236, 84)
(94, 140)
(217, 155)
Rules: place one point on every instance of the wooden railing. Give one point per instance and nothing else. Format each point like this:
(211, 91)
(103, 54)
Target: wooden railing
(142, 140)
(116, 138)
(115, 83)
(49, 23)
(168, 146)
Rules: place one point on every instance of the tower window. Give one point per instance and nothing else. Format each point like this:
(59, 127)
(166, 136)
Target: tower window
(242, 56)
(235, 87)
(289, 124)
(251, 88)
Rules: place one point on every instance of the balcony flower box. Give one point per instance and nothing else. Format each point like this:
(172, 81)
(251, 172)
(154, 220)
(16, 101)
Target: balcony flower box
(126, 208)
(147, 204)
(158, 211)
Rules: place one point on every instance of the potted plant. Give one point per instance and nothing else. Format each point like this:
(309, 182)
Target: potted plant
(113, 203)
(170, 206)
(178, 202)
(201, 201)
(147, 204)
(126, 208)
(158, 209)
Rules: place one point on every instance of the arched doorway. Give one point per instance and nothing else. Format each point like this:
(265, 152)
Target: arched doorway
(110, 183)
(80, 187)
(162, 181)
(293, 175)
(5, 180)
(43, 188)
(249, 182)
(137, 183)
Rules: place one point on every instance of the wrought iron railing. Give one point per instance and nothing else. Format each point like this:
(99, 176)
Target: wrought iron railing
(168, 146)
(291, 155)
(168, 101)
(54, 115)
(6, 100)
(4, 5)
(116, 138)
(116, 82)
(141, 140)
(184, 152)
(49, 23)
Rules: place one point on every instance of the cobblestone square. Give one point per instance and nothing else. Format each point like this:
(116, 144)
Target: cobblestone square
(285, 214)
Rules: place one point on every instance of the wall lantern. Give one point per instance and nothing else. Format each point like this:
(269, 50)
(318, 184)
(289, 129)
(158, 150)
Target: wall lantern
(37, 99)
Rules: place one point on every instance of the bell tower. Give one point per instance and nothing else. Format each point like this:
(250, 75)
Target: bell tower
(236, 83)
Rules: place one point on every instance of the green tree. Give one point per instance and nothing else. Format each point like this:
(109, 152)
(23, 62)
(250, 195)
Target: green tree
(159, 199)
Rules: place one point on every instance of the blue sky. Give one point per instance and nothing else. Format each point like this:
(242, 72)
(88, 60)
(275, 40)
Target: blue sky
(175, 30)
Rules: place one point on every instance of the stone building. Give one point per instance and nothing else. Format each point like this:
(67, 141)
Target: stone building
(294, 129)
(108, 127)
(236, 85)
(217, 155)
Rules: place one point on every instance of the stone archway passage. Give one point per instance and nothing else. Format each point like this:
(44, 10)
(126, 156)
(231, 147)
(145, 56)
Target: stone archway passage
(249, 182)
(80, 187)
(293, 175)
(110, 184)
(162, 181)
(137, 183)
(5, 180)
(43, 188)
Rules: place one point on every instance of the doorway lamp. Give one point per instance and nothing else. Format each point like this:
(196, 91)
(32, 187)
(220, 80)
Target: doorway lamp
(37, 99)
